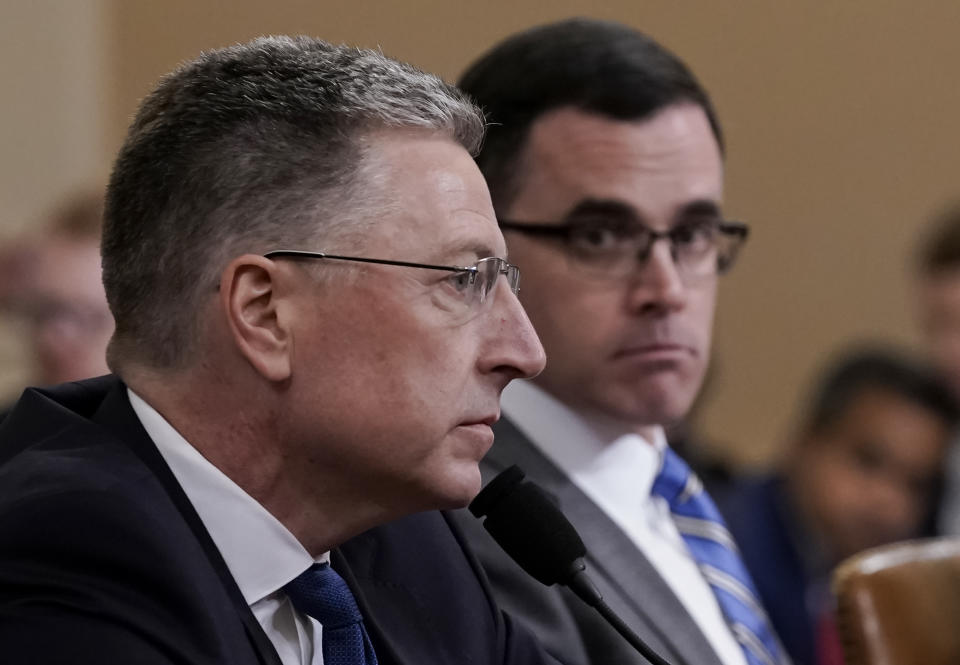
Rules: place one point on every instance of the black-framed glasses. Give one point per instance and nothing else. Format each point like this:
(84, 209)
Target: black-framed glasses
(610, 248)
(471, 286)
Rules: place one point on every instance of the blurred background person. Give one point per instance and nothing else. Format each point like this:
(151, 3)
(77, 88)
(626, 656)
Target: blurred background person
(938, 301)
(862, 470)
(50, 290)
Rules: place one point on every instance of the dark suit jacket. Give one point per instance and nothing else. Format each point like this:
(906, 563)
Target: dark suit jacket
(104, 560)
(759, 518)
(574, 633)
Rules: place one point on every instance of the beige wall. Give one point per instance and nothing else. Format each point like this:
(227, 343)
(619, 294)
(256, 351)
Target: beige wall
(841, 120)
(53, 72)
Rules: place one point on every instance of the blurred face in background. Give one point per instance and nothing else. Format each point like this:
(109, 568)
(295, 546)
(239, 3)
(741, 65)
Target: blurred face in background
(633, 348)
(867, 478)
(54, 291)
(938, 297)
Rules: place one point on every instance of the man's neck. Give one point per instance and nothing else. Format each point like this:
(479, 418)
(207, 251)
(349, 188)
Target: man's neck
(242, 442)
(521, 397)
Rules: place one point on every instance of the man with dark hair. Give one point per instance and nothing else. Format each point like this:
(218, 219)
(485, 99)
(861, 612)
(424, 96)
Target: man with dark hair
(605, 162)
(312, 335)
(938, 297)
(862, 470)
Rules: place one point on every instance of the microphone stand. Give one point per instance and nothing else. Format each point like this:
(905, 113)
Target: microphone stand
(581, 584)
(527, 524)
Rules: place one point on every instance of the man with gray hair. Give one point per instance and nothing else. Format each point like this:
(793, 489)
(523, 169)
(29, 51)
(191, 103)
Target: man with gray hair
(312, 335)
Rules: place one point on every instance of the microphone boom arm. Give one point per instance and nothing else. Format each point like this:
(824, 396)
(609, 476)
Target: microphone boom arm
(528, 525)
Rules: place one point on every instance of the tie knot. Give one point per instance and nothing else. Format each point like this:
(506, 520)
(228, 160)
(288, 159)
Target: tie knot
(321, 593)
(676, 482)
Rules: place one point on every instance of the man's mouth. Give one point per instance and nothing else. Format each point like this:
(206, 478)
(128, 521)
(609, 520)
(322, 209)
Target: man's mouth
(656, 351)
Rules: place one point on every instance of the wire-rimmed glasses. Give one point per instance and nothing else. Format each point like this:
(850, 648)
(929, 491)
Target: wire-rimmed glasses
(473, 285)
(611, 248)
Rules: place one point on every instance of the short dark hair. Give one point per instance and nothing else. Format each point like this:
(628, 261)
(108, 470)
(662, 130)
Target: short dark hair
(597, 66)
(940, 249)
(867, 368)
(242, 150)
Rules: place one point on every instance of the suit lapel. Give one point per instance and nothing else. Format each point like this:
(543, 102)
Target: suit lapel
(382, 645)
(628, 581)
(116, 415)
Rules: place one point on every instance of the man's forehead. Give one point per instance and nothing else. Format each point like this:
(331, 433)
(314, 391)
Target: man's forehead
(572, 126)
(668, 160)
(431, 191)
(587, 149)
(473, 248)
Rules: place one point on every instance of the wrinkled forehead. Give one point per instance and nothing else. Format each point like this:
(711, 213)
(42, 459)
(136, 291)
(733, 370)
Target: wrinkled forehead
(426, 193)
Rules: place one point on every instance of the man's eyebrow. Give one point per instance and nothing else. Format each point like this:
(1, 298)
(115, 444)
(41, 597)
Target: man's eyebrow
(606, 207)
(700, 208)
(469, 247)
(616, 209)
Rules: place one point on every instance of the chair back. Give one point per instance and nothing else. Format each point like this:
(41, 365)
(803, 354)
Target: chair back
(900, 604)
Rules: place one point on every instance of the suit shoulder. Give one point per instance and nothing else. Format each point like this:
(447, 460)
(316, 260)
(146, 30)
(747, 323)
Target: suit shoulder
(419, 580)
(105, 561)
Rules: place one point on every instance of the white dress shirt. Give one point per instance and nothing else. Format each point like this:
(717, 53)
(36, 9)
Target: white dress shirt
(616, 471)
(261, 553)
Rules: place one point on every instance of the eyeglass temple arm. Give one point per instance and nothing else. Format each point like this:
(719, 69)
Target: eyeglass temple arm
(389, 262)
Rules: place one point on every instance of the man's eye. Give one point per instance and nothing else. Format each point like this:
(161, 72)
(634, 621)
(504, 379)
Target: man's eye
(702, 233)
(462, 281)
(599, 238)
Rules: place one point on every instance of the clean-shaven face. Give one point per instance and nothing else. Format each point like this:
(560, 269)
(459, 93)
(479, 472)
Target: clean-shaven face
(633, 350)
(398, 383)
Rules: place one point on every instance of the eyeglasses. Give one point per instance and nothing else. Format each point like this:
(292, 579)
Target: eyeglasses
(608, 249)
(469, 286)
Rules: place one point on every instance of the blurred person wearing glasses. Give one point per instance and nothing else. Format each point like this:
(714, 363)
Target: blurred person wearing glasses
(51, 289)
(315, 318)
(605, 163)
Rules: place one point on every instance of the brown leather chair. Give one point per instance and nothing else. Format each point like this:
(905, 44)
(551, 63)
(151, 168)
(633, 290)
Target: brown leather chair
(900, 604)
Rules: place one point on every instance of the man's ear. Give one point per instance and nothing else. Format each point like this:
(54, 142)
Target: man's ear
(249, 297)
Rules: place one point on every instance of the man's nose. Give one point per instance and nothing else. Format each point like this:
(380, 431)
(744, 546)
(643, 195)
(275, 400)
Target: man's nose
(657, 283)
(516, 347)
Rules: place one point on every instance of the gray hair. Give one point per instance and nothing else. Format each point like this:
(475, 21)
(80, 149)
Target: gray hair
(247, 149)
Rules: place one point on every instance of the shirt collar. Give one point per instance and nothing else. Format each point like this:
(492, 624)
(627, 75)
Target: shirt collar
(616, 469)
(261, 553)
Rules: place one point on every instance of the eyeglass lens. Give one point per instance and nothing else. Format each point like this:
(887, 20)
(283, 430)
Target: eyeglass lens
(489, 271)
(698, 249)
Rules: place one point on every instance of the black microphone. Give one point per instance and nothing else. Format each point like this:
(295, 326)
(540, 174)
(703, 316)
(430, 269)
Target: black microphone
(529, 527)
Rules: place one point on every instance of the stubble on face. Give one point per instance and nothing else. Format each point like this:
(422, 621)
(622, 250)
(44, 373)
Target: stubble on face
(633, 351)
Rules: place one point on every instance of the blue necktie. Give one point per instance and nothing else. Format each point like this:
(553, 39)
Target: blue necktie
(321, 593)
(712, 547)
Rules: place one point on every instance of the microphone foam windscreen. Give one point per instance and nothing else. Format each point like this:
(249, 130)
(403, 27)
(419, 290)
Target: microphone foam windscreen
(529, 527)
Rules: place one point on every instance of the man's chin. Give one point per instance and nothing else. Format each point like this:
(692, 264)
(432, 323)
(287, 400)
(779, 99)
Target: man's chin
(651, 408)
(457, 490)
